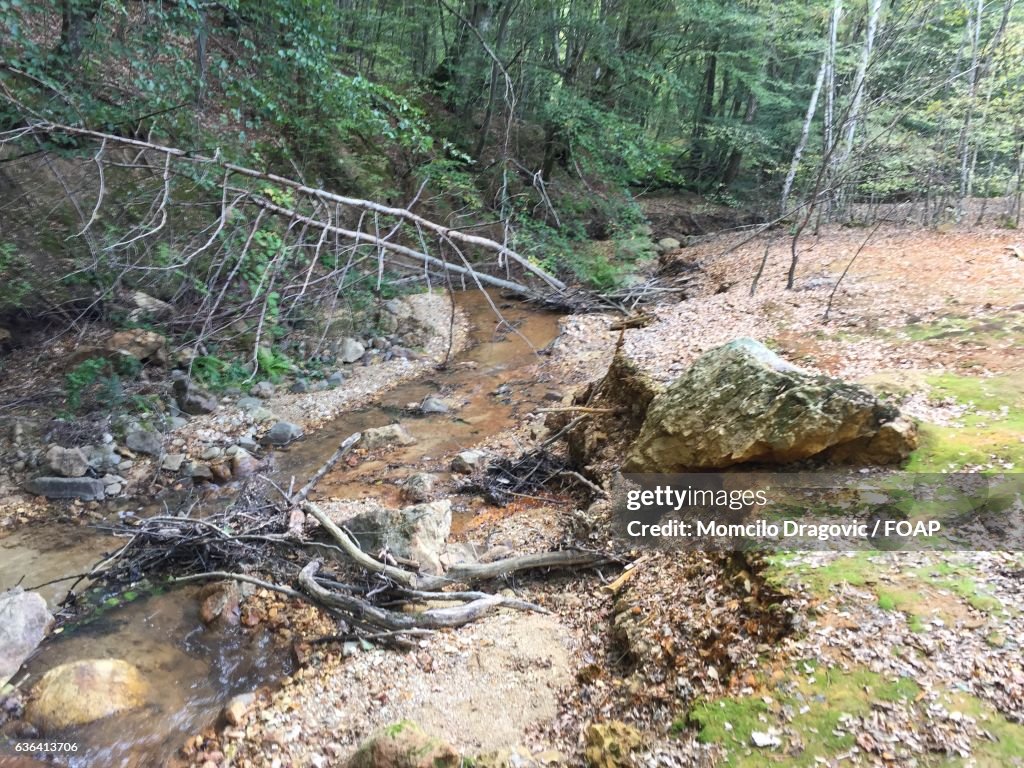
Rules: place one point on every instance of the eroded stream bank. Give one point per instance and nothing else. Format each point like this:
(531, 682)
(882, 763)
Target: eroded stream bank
(192, 669)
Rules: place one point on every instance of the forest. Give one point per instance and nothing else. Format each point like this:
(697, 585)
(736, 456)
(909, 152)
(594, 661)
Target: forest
(369, 372)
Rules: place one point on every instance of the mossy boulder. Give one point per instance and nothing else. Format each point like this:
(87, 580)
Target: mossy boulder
(404, 745)
(608, 745)
(742, 403)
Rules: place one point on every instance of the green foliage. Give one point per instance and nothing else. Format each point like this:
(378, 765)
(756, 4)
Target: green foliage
(96, 379)
(15, 271)
(273, 364)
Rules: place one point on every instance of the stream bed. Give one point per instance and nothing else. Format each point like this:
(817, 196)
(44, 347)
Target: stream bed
(192, 669)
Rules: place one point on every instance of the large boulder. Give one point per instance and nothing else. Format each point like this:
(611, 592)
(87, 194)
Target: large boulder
(350, 350)
(24, 620)
(742, 403)
(404, 745)
(417, 533)
(145, 441)
(83, 691)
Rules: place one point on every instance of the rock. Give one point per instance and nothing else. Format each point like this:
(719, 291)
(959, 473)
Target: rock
(263, 390)
(742, 403)
(262, 414)
(335, 379)
(145, 441)
(248, 443)
(244, 464)
(433, 404)
(667, 244)
(608, 745)
(67, 462)
(148, 306)
(379, 342)
(467, 462)
(552, 396)
(238, 707)
(301, 386)
(84, 691)
(84, 488)
(392, 434)
(419, 486)
(102, 457)
(143, 345)
(282, 433)
(176, 422)
(24, 620)
(172, 462)
(350, 350)
(404, 745)
(221, 472)
(220, 603)
(249, 403)
(198, 471)
(416, 533)
(191, 399)
(213, 452)
(5, 338)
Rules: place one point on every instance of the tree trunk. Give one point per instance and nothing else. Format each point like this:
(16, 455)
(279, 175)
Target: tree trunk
(812, 107)
(76, 16)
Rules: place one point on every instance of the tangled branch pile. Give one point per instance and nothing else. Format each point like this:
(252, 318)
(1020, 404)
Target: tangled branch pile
(293, 547)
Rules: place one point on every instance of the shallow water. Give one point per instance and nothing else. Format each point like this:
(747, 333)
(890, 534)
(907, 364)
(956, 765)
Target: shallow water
(192, 669)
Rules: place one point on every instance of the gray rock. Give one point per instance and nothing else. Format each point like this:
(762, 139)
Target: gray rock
(176, 422)
(148, 306)
(84, 488)
(392, 434)
(433, 404)
(24, 620)
(468, 462)
(336, 379)
(67, 462)
(172, 462)
(668, 244)
(262, 414)
(144, 441)
(282, 433)
(419, 486)
(742, 403)
(379, 342)
(249, 403)
(418, 533)
(192, 399)
(262, 389)
(301, 386)
(213, 452)
(247, 443)
(350, 350)
(101, 458)
(198, 471)
(113, 489)
(552, 396)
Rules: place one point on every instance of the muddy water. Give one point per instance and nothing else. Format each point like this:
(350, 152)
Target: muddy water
(192, 669)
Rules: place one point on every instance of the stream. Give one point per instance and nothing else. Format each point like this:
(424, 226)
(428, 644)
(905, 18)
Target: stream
(192, 669)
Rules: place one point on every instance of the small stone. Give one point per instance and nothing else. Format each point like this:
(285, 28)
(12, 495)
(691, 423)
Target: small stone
(249, 403)
(392, 434)
(243, 464)
(468, 462)
(552, 396)
(301, 386)
(213, 452)
(221, 472)
(198, 471)
(336, 379)
(433, 404)
(144, 441)
(172, 462)
(668, 244)
(419, 486)
(238, 707)
(350, 350)
(263, 390)
(282, 433)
